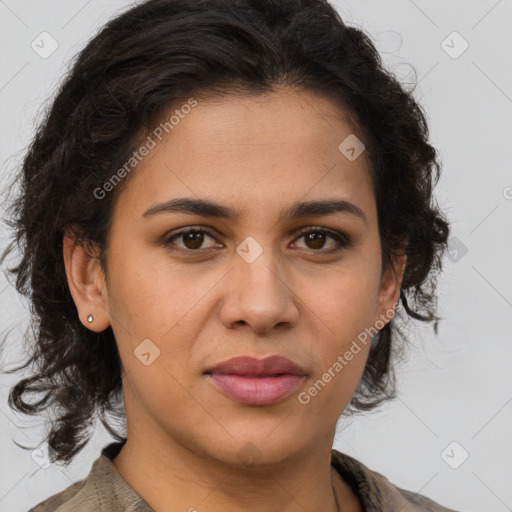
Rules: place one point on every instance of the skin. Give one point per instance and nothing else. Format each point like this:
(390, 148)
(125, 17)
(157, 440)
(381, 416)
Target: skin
(259, 154)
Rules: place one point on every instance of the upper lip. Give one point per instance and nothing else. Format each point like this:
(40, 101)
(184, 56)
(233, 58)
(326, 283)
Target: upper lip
(247, 365)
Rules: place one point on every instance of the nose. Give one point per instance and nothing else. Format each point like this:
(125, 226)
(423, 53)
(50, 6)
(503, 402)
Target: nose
(259, 294)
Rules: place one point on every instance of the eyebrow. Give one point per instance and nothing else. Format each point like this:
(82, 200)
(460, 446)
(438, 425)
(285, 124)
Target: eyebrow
(207, 208)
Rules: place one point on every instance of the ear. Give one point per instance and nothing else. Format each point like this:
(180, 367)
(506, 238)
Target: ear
(390, 286)
(86, 282)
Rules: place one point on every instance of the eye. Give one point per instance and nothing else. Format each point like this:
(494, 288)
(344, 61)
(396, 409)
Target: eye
(192, 238)
(316, 238)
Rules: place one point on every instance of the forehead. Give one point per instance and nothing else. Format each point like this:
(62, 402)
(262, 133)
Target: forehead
(252, 153)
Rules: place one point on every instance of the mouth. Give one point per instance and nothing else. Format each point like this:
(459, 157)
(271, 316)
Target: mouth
(252, 381)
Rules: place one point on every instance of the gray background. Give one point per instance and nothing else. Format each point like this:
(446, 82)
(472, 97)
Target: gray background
(456, 387)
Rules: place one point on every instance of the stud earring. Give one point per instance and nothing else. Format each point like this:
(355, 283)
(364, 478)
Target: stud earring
(90, 319)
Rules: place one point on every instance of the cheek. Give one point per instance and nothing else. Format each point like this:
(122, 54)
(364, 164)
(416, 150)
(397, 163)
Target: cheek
(342, 343)
(343, 312)
(159, 302)
(149, 295)
(344, 303)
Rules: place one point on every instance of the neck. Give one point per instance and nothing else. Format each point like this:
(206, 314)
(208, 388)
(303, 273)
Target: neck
(165, 472)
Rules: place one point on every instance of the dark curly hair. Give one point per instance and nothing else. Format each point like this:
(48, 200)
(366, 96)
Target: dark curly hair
(142, 62)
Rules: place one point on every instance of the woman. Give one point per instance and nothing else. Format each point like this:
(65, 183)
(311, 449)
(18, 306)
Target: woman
(219, 216)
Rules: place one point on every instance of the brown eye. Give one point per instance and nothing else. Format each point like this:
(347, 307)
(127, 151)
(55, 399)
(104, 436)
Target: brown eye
(192, 239)
(316, 239)
(195, 240)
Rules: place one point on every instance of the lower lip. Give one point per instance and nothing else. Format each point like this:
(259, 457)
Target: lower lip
(256, 390)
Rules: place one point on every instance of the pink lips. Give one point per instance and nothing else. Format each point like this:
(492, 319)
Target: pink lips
(257, 381)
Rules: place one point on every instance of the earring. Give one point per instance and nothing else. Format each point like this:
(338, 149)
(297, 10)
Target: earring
(90, 319)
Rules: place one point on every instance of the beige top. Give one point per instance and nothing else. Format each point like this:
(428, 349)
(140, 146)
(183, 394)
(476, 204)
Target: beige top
(105, 490)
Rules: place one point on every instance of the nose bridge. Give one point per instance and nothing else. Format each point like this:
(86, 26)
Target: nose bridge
(258, 269)
(258, 294)
(262, 273)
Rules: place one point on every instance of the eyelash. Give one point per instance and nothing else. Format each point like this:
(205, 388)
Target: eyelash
(343, 241)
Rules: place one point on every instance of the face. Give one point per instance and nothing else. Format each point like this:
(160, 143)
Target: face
(256, 282)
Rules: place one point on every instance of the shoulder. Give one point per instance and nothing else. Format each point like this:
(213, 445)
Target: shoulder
(103, 489)
(67, 500)
(376, 492)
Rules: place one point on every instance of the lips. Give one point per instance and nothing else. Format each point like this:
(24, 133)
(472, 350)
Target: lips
(254, 381)
(250, 366)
